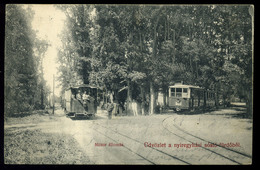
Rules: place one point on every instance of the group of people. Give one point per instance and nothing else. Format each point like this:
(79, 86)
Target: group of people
(114, 108)
(84, 98)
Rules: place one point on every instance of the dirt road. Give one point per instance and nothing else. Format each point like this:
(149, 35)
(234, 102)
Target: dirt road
(211, 138)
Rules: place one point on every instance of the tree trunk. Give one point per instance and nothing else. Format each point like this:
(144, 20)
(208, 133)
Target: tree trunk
(129, 98)
(143, 100)
(168, 28)
(197, 70)
(173, 43)
(155, 33)
(152, 99)
(217, 95)
(106, 96)
(191, 68)
(41, 77)
(250, 94)
(165, 31)
(152, 94)
(42, 97)
(249, 103)
(165, 92)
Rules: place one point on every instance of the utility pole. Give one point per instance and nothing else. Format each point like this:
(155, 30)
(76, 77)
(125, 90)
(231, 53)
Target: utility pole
(53, 96)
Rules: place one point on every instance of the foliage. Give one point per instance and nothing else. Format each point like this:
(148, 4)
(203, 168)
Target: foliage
(75, 55)
(141, 46)
(21, 63)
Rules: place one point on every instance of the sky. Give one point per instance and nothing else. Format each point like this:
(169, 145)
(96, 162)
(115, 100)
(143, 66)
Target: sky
(49, 22)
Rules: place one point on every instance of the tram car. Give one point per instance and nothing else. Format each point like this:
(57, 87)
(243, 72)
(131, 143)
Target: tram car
(189, 97)
(80, 101)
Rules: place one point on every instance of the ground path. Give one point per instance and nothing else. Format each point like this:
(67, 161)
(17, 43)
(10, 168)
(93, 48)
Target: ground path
(125, 140)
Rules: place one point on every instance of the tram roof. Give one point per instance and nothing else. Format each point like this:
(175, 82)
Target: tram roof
(184, 86)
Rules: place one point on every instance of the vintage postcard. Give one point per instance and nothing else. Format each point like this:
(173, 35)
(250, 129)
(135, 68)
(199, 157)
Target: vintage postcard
(128, 84)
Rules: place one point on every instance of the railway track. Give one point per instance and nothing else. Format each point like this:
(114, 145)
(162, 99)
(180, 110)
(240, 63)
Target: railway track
(154, 155)
(232, 155)
(151, 155)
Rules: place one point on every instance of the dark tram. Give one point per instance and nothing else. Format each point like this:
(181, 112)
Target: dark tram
(80, 101)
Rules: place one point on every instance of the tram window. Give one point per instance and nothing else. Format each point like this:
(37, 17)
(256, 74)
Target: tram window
(185, 92)
(173, 92)
(178, 92)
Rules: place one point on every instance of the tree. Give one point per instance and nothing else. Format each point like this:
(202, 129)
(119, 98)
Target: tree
(109, 62)
(75, 56)
(21, 68)
(136, 47)
(40, 48)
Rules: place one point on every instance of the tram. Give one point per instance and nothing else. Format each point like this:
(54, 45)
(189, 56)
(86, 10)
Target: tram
(80, 101)
(189, 97)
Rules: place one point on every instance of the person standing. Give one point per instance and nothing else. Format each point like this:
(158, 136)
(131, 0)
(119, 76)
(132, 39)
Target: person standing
(134, 108)
(78, 96)
(85, 98)
(115, 110)
(110, 108)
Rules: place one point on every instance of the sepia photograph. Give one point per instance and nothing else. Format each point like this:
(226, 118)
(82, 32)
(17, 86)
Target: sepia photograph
(103, 84)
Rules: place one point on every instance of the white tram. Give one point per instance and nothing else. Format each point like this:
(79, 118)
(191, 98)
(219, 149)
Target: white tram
(189, 97)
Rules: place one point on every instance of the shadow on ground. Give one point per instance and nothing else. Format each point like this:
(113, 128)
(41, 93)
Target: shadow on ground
(25, 114)
(241, 112)
(242, 115)
(195, 112)
(87, 118)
